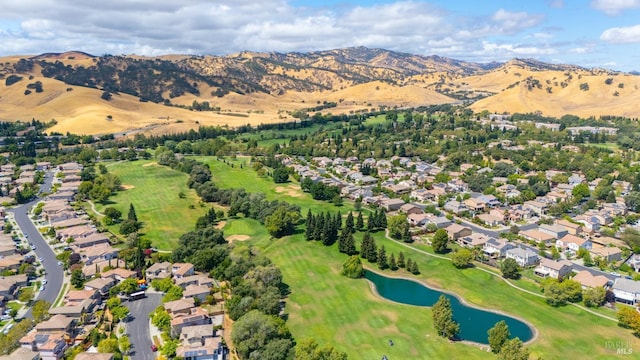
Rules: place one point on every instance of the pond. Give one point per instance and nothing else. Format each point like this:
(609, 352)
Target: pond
(474, 322)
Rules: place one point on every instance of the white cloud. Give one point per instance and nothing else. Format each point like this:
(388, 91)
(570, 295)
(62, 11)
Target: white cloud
(621, 35)
(614, 7)
(579, 50)
(509, 50)
(513, 22)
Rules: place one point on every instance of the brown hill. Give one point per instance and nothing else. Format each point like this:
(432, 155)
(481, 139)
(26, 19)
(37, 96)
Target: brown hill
(267, 87)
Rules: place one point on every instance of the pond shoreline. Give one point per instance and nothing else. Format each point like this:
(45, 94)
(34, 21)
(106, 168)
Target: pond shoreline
(374, 290)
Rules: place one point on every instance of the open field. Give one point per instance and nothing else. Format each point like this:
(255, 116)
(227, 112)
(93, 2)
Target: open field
(153, 190)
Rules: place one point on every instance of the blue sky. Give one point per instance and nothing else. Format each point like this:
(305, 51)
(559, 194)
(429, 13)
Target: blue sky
(590, 33)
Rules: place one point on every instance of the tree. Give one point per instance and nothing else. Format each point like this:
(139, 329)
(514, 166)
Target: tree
(40, 311)
(352, 268)
(396, 226)
(77, 278)
(125, 344)
(131, 215)
(513, 350)
(594, 297)
(308, 349)
(392, 262)
(280, 175)
(349, 224)
(498, 335)
(510, 269)
(106, 95)
(462, 258)
(581, 191)
(128, 227)
(360, 221)
(439, 241)
(26, 294)
(282, 222)
(414, 268)
(382, 258)
(113, 213)
(443, 318)
(254, 331)
(629, 318)
(346, 243)
(400, 262)
(108, 345)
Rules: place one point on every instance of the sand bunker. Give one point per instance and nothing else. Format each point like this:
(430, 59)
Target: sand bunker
(127, 187)
(289, 190)
(233, 238)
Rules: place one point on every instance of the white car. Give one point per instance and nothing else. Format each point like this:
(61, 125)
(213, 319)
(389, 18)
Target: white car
(44, 282)
(40, 259)
(41, 288)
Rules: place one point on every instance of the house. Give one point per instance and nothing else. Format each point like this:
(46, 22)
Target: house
(572, 229)
(573, 243)
(491, 220)
(196, 292)
(626, 291)
(22, 353)
(634, 262)
(536, 235)
(94, 356)
(553, 269)
(473, 240)
(497, 248)
(196, 316)
(97, 267)
(180, 306)
(200, 280)
(556, 231)
(119, 274)
(440, 222)
(524, 257)
(608, 253)
(90, 240)
(210, 348)
(160, 270)
(537, 207)
(456, 231)
(57, 323)
(392, 204)
(51, 346)
(410, 209)
(180, 270)
(475, 204)
(418, 219)
(588, 280)
(398, 189)
(101, 285)
(455, 207)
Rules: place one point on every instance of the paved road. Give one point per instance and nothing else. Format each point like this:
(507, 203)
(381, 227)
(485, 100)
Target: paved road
(138, 328)
(54, 273)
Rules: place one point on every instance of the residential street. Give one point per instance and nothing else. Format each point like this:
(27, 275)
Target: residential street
(54, 273)
(138, 327)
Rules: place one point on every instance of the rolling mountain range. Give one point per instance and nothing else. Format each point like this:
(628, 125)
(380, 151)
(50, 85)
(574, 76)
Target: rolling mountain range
(91, 94)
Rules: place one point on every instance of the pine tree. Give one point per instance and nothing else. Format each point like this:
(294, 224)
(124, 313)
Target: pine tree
(392, 262)
(132, 213)
(327, 232)
(409, 264)
(406, 234)
(360, 222)
(310, 224)
(319, 226)
(371, 221)
(365, 245)
(372, 255)
(348, 243)
(383, 262)
(383, 220)
(337, 221)
(443, 318)
(400, 261)
(414, 268)
(349, 224)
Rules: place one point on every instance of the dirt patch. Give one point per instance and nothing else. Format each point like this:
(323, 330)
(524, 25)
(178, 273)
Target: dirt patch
(150, 164)
(221, 224)
(293, 192)
(126, 187)
(233, 238)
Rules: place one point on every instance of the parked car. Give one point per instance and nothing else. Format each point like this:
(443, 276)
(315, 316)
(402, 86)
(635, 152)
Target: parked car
(154, 348)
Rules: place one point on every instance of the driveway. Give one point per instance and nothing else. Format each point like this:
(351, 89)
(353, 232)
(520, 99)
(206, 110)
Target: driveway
(138, 327)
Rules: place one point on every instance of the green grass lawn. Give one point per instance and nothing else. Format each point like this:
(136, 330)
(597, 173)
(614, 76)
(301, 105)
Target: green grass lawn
(153, 190)
(226, 176)
(344, 312)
